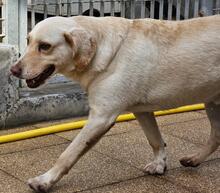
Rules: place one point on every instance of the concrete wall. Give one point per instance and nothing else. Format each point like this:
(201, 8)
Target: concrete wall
(47, 107)
(20, 109)
(8, 84)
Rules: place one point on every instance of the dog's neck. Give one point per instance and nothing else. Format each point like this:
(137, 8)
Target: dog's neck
(105, 51)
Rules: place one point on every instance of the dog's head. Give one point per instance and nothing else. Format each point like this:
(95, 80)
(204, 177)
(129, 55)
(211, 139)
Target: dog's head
(55, 45)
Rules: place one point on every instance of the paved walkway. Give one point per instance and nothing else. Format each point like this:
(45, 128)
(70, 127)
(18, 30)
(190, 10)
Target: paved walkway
(115, 164)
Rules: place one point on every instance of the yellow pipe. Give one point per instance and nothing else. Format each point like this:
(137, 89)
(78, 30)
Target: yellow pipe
(80, 124)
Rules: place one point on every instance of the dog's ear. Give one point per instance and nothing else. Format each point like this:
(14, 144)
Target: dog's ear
(83, 46)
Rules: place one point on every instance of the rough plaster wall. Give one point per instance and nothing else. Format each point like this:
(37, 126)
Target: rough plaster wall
(8, 84)
(46, 108)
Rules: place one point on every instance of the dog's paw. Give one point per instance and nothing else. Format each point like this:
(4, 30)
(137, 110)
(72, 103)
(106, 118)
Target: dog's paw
(39, 185)
(190, 161)
(156, 167)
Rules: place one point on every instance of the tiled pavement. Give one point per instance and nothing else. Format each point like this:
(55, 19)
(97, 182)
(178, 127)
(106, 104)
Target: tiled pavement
(115, 164)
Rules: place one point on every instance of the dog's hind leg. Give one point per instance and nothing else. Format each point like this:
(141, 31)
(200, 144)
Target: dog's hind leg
(151, 130)
(99, 122)
(213, 112)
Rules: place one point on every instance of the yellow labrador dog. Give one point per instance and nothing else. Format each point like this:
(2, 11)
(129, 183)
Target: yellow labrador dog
(139, 65)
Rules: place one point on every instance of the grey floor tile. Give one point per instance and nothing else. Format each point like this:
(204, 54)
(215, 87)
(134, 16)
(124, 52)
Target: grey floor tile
(118, 129)
(133, 148)
(9, 184)
(143, 184)
(196, 131)
(115, 163)
(68, 135)
(204, 179)
(202, 112)
(92, 170)
(179, 117)
(32, 143)
(127, 126)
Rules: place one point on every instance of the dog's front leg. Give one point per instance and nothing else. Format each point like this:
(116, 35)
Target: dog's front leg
(99, 123)
(151, 130)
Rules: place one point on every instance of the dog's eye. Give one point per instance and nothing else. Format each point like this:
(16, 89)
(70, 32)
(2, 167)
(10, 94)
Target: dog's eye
(44, 47)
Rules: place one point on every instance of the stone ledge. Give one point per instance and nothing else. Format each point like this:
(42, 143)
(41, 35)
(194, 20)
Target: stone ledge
(48, 107)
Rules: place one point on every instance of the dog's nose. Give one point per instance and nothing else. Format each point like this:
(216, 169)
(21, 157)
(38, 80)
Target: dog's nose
(16, 70)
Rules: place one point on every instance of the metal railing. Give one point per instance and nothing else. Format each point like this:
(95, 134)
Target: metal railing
(18, 17)
(158, 9)
(47, 8)
(217, 7)
(2, 28)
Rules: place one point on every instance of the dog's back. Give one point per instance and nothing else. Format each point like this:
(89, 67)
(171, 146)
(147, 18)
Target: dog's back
(179, 62)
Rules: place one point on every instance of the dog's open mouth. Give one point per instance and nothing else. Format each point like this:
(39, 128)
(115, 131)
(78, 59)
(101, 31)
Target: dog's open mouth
(40, 79)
